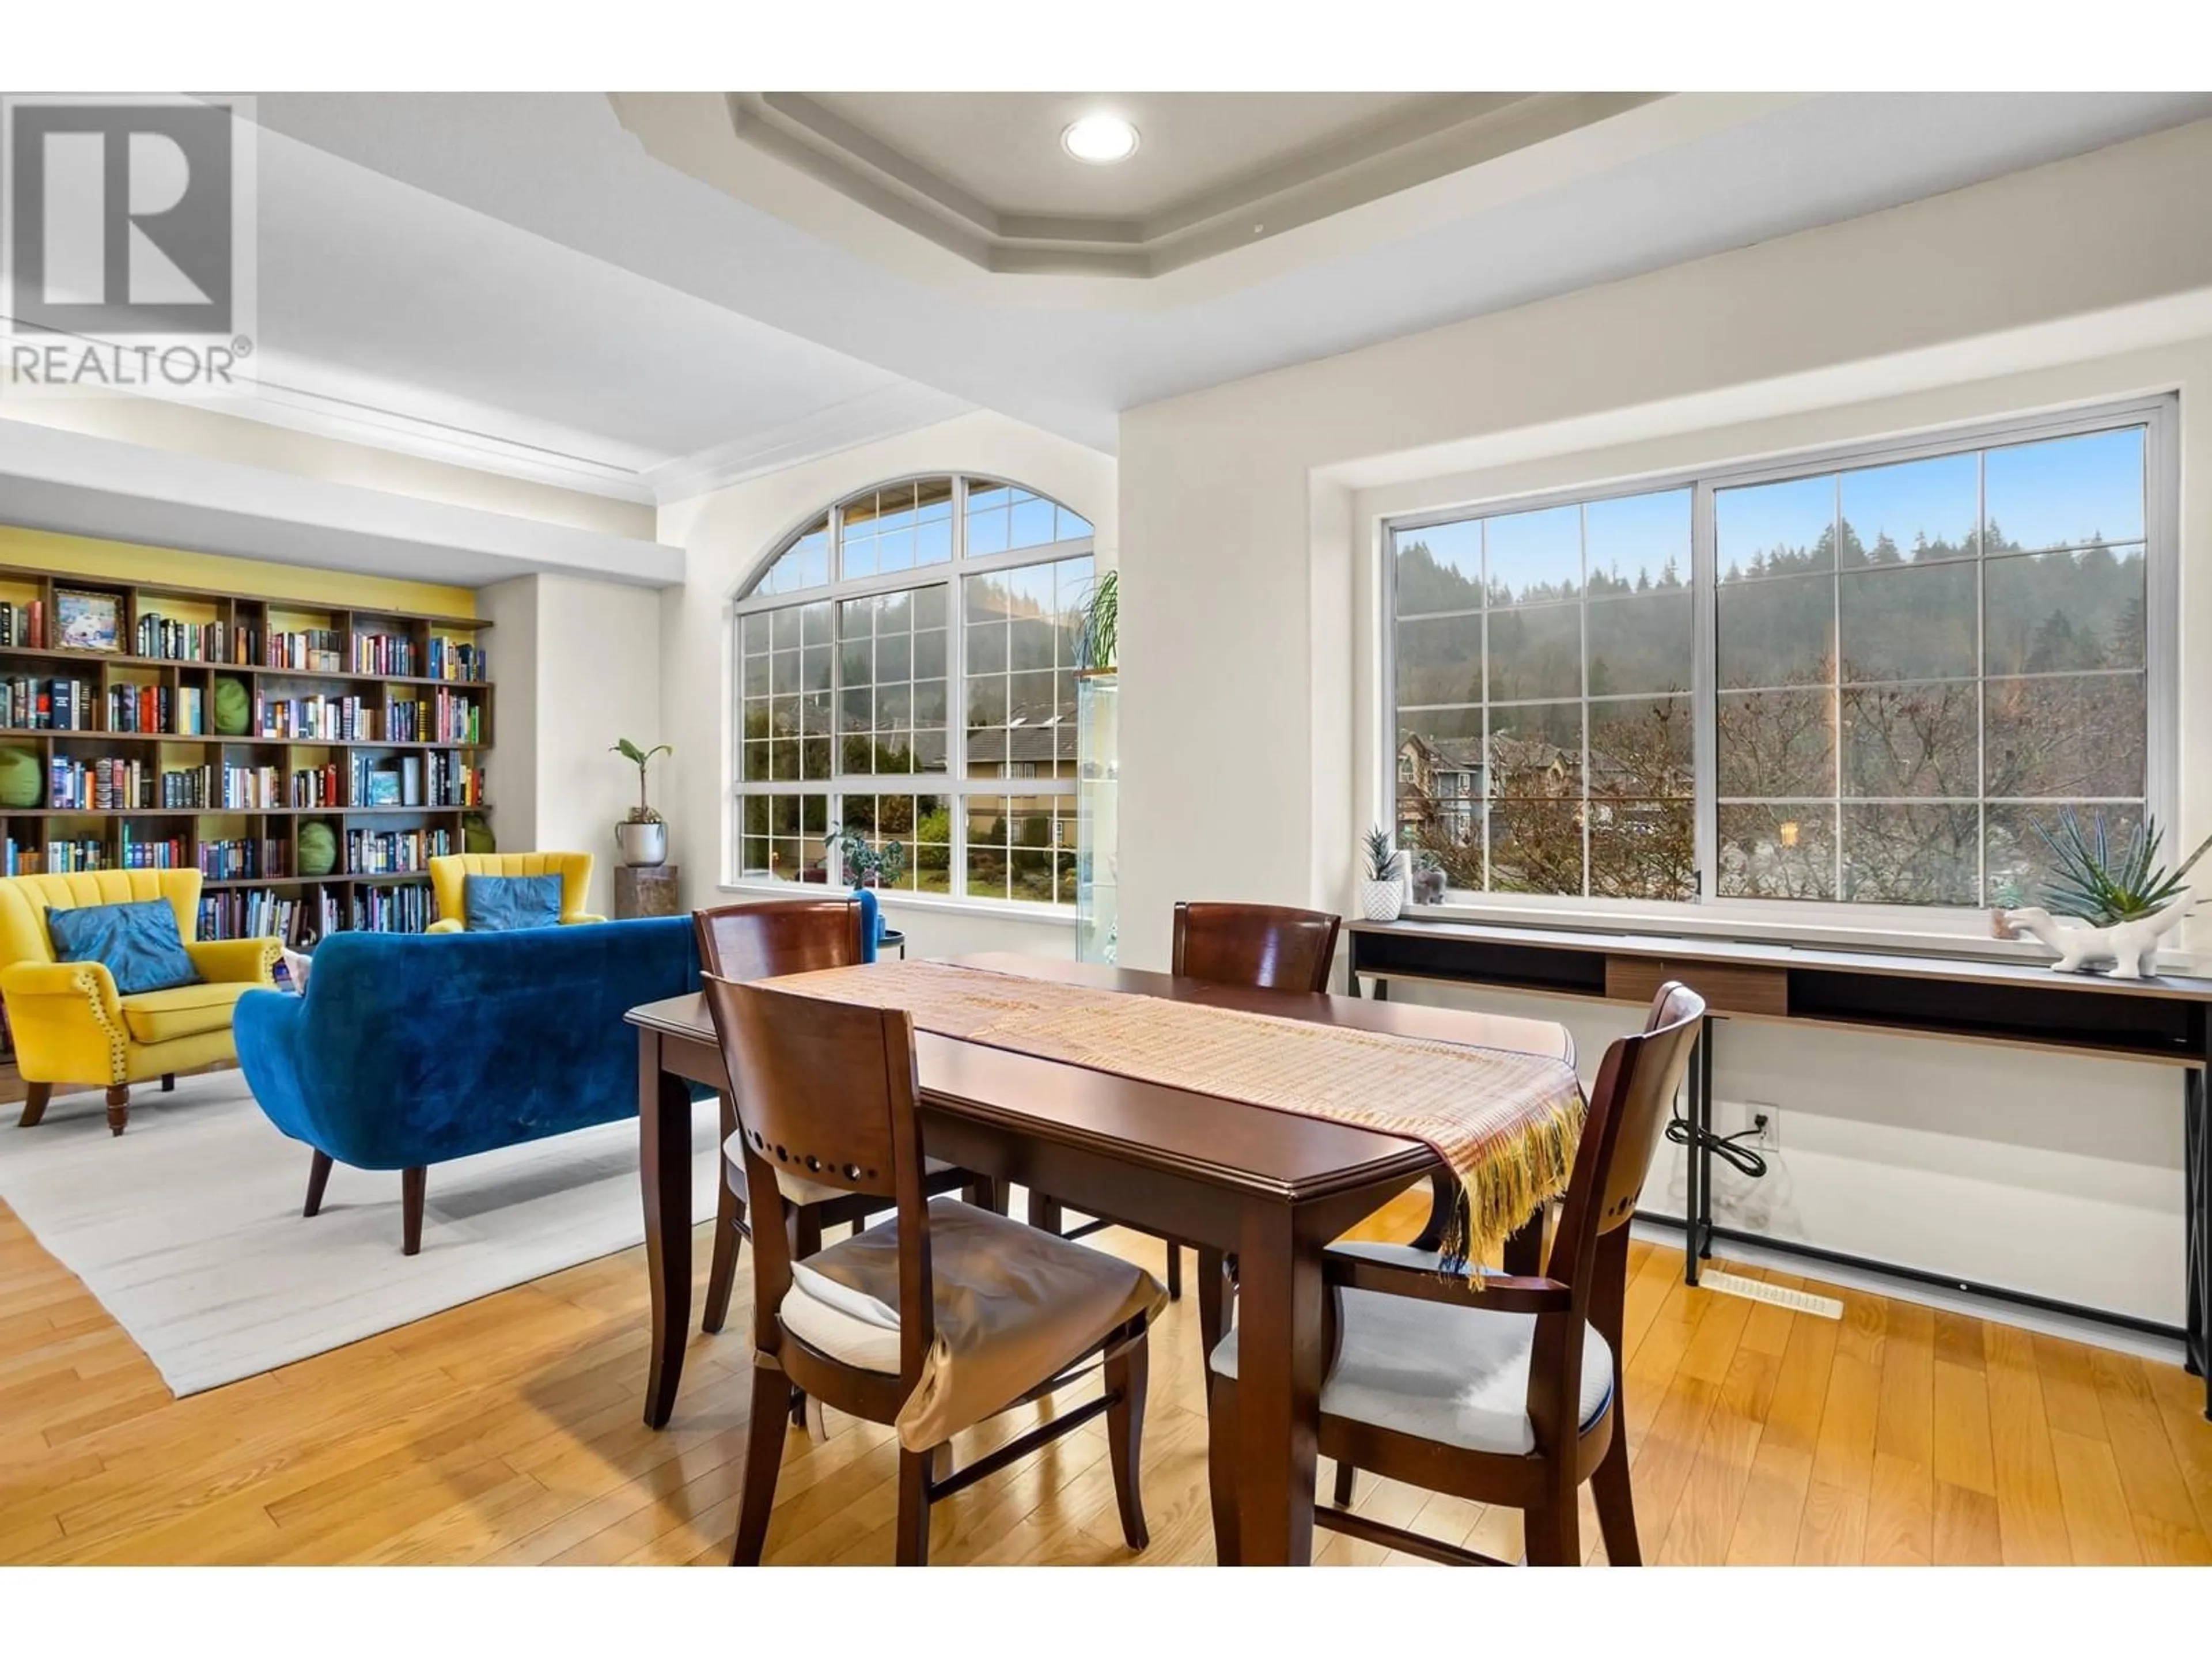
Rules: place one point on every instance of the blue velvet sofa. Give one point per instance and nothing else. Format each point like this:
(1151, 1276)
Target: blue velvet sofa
(412, 1050)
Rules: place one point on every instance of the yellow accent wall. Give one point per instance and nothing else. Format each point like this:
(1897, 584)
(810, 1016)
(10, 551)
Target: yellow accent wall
(127, 562)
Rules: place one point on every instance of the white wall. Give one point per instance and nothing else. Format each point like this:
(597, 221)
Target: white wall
(1248, 711)
(578, 665)
(728, 534)
(511, 767)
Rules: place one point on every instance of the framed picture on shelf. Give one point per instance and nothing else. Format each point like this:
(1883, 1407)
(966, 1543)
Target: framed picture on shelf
(87, 622)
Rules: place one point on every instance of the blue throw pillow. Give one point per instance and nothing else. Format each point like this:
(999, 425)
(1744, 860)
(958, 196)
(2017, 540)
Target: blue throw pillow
(500, 904)
(137, 942)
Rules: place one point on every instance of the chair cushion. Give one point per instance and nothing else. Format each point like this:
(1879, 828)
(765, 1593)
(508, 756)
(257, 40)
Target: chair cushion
(503, 904)
(182, 1010)
(1016, 1307)
(137, 942)
(1455, 1376)
(798, 1189)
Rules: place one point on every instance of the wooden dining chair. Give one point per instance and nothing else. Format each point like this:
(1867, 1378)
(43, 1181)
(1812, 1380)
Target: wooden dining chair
(1504, 1391)
(760, 941)
(1271, 947)
(830, 1088)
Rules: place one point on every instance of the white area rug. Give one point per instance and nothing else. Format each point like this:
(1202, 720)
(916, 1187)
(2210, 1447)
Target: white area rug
(188, 1227)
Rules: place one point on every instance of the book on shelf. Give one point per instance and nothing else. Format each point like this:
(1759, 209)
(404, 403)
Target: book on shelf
(443, 717)
(310, 650)
(386, 653)
(24, 626)
(245, 859)
(318, 786)
(254, 912)
(48, 705)
(54, 857)
(312, 720)
(115, 784)
(252, 789)
(147, 710)
(176, 641)
(454, 659)
(188, 786)
(407, 909)
(156, 852)
(395, 851)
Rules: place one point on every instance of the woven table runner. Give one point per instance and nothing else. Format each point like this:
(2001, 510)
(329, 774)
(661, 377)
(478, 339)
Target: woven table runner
(1505, 1122)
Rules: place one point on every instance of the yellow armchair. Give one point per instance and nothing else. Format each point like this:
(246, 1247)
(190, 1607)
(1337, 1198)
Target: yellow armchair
(69, 1024)
(449, 881)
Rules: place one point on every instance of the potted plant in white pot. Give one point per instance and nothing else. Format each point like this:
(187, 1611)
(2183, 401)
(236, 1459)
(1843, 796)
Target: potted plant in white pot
(2126, 901)
(643, 836)
(1382, 892)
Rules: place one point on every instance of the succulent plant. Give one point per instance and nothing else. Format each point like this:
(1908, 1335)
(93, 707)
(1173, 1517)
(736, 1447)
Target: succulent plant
(1382, 856)
(2104, 884)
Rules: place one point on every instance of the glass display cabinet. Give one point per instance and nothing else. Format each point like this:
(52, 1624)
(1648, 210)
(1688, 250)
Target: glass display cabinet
(1097, 930)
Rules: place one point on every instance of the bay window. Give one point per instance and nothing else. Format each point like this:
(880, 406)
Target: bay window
(1864, 678)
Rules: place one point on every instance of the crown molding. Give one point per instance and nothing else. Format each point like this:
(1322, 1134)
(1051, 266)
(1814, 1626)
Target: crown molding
(326, 404)
(902, 407)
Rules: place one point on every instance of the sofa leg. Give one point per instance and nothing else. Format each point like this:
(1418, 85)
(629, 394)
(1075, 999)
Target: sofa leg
(35, 1096)
(410, 1198)
(318, 1176)
(168, 1083)
(118, 1108)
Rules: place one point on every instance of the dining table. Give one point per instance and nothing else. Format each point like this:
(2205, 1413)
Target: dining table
(1273, 1187)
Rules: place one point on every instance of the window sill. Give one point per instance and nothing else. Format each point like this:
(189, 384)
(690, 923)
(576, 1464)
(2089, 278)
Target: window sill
(1878, 936)
(1046, 915)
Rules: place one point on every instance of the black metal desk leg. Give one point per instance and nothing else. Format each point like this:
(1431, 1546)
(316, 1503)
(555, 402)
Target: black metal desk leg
(1697, 1199)
(1705, 1138)
(2196, 1175)
(1694, 1165)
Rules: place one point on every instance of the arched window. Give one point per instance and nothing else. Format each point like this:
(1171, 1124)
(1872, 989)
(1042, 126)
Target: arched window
(905, 671)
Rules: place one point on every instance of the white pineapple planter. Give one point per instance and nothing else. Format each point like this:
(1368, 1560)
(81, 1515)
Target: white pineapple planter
(1383, 901)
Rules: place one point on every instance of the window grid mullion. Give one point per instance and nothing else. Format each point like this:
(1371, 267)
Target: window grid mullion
(1704, 675)
(1836, 680)
(1582, 533)
(956, 693)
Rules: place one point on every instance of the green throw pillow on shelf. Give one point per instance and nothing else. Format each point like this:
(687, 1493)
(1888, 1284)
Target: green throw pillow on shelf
(22, 777)
(232, 708)
(318, 847)
(476, 835)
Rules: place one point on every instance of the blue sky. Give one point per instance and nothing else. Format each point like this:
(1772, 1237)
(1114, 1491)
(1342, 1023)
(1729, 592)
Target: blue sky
(2051, 493)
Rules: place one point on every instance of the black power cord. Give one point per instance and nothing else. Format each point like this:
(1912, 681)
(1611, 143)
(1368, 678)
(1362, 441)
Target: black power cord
(1683, 1132)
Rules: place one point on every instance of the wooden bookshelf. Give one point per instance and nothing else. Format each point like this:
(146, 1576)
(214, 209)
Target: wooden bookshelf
(308, 669)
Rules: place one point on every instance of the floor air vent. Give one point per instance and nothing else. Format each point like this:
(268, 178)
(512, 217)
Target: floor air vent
(1756, 1289)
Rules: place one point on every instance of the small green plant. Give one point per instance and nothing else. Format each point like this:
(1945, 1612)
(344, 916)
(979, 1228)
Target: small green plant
(644, 812)
(2104, 884)
(1096, 636)
(1382, 856)
(865, 863)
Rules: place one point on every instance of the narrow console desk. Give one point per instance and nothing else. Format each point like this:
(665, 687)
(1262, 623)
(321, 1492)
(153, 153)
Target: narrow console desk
(2165, 1021)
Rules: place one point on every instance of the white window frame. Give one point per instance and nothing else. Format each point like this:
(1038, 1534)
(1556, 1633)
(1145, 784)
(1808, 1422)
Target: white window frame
(953, 783)
(1822, 921)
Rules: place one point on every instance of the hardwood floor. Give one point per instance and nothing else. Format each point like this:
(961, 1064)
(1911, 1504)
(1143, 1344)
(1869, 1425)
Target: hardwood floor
(508, 1430)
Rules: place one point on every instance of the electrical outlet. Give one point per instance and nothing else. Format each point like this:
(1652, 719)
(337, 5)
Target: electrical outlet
(1766, 1123)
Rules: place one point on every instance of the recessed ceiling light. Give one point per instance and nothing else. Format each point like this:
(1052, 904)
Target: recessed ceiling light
(1100, 139)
